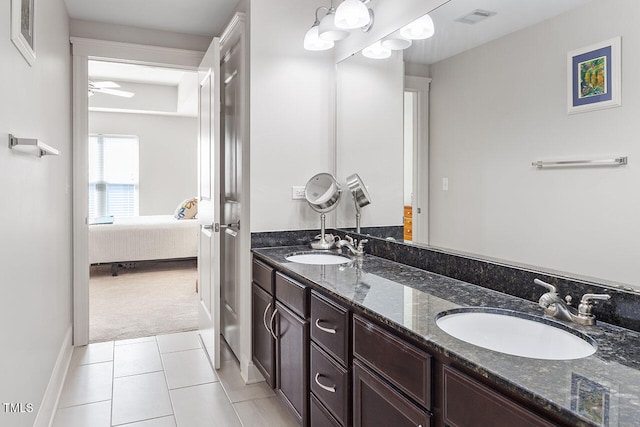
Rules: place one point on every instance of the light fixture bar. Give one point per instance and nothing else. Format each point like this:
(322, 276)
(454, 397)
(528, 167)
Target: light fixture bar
(31, 146)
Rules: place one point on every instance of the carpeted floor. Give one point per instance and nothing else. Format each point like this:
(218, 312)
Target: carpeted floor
(152, 298)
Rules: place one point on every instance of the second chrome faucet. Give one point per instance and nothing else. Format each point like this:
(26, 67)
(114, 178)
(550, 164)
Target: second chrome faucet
(555, 306)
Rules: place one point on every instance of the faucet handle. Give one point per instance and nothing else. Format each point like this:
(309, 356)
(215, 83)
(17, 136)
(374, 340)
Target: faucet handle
(586, 303)
(348, 238)
(361, 244)
(549, 286)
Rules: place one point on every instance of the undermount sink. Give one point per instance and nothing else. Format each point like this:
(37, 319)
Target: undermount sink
(516, 333)
(317, 258)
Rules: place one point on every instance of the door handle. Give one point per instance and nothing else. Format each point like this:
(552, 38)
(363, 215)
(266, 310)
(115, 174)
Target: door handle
(227, 226)
(207, 227)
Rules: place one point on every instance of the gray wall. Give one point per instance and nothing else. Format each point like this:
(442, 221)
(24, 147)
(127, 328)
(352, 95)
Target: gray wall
(168, 156)
(35, 219)
(497, 108)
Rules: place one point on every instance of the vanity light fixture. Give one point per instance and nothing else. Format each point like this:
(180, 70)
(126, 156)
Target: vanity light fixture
(335, 27)
(312, 40)
(327, 30)
(376, 51)
(396, 42)
(353, 14)
(31, 146)
(421, 28)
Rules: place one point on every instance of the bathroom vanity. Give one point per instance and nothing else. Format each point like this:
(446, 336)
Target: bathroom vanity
(357, 344)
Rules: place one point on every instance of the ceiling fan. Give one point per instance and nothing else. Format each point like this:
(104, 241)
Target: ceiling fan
(108, 88)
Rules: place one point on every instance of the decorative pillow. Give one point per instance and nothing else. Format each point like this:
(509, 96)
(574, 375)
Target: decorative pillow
(187, 209)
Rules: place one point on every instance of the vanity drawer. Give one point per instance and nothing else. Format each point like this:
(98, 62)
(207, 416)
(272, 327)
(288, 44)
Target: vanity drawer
(262, 275)
(292, 294)
(330, 327)
(400, 363)
(320, 417)
(330, 384)
(467, 403)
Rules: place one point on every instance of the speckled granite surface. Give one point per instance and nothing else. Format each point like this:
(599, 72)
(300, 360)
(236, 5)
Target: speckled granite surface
(602, 389)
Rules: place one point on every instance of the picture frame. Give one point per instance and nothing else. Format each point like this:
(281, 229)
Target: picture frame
(23, 28)
(593, 77)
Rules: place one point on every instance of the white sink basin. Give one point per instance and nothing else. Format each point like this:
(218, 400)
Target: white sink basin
(515, 333)
(317, 258)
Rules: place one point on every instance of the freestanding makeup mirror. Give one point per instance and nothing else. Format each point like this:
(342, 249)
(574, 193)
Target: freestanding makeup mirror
(323, 194)
(360, 195)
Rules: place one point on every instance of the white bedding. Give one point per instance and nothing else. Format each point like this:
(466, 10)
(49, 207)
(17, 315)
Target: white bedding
(143, 238)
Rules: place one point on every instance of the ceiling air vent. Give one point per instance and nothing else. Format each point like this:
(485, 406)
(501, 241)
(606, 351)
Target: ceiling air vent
(475, 16)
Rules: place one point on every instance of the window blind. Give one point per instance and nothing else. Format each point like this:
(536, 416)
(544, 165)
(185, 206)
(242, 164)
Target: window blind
(113, 176)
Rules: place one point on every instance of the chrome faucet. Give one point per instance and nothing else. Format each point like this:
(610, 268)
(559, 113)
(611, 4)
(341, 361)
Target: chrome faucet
(356, 248)
(554, 306)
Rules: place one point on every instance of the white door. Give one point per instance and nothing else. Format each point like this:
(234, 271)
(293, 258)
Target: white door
(209, 202)
(231, 176)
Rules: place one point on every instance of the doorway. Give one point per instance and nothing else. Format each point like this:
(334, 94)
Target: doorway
(83, 51)
(143, 129)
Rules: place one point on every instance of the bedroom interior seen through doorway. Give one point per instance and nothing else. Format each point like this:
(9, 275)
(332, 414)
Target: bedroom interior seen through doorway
(142, 186)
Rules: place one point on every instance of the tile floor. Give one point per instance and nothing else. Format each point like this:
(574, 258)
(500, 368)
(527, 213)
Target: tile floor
(162, 381)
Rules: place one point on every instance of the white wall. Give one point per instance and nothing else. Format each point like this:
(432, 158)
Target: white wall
(128, 34)
(35, 219)
(292, 104)
(369, 130)
(168, 156)
(579, 220)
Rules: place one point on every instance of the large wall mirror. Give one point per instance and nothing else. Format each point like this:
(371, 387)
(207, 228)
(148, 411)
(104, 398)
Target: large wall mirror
(451, 125)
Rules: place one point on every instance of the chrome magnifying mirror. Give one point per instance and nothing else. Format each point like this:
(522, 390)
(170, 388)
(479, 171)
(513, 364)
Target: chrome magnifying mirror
(323, 194)
(360, 195)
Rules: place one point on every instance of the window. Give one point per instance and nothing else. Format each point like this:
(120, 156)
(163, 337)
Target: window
(113, 175)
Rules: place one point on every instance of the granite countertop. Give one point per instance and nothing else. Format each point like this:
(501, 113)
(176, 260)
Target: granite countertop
(599, 390)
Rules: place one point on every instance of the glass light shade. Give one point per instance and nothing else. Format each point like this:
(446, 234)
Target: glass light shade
(313, 42)
(376, 51)
(421, 28)
(327, 29)
(396, 42)
(352, 14)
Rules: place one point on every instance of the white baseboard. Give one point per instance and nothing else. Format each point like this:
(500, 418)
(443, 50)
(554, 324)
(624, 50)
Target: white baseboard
(250, 374)
(49, 404)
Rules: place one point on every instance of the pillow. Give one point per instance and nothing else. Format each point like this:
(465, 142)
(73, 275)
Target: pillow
(187, 209)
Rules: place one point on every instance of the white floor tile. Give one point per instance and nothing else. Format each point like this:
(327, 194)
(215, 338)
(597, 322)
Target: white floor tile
(237, 390)
(187, 368)
(179, 342)
(140, 397)
(92, 414)
(203, 406)
(155, 422)
(87, 384)
(264, 412)
(134, 359)
(92, 353)
(135, 340)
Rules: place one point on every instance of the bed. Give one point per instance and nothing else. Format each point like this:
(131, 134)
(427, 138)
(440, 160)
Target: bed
(142, 238)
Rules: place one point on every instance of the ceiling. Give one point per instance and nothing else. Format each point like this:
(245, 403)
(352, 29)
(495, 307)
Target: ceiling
(102, 70)
(201, 17)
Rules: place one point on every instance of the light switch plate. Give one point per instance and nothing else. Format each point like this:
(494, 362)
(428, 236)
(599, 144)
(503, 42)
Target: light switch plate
(297, 193)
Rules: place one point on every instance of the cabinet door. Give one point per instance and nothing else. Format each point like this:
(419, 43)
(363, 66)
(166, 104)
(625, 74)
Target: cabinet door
(292, 362)
(375, 403)
(262, 306)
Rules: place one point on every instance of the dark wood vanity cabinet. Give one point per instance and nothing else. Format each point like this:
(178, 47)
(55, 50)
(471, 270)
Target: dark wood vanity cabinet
(335, 367)
(280, 338)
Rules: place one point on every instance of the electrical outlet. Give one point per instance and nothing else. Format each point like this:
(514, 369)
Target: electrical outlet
(445, 184)
(297, 193)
